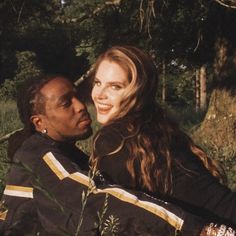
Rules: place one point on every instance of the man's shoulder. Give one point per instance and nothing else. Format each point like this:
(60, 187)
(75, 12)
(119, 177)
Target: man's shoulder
(34, 147)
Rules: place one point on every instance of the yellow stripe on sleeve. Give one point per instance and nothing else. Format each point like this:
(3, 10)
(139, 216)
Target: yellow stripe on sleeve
(160, 211)
(125, 196)
(18, 191)
(83, 179)
(55, 166)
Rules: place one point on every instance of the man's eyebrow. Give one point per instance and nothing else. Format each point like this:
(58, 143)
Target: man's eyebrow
(67, 95)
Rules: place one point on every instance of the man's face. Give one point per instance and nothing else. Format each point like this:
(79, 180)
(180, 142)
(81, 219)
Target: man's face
(65, 118)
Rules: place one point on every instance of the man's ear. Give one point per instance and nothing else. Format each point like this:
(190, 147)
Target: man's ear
(38, 122)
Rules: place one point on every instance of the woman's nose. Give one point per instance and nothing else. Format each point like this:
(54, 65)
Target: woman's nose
(100, 92)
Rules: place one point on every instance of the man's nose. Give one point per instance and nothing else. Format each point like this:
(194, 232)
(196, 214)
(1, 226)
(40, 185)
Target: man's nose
(78, 105)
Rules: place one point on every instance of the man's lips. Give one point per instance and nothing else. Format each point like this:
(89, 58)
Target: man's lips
(84, 120)
(84, 123)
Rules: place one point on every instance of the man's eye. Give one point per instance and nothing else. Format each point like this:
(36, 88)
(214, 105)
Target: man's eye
(66, 104)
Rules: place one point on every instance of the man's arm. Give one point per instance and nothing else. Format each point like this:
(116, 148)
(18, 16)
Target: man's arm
(65, 186)
(59, 195)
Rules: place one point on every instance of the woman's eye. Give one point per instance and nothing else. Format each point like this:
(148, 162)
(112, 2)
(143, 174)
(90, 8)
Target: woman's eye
(116, 87)
(96, 83)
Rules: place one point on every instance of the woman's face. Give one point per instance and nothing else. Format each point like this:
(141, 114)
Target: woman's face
(110, 82)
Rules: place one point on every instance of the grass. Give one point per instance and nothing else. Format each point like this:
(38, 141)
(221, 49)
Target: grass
(9, 121)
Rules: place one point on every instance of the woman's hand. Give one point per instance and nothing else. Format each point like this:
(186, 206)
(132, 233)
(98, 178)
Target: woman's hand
(217, 230)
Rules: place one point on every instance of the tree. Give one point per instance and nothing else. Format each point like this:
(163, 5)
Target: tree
(217, 131)
(19, 18)
(26, 68)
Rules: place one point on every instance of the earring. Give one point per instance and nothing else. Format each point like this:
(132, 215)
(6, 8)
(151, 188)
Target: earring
(44, 131)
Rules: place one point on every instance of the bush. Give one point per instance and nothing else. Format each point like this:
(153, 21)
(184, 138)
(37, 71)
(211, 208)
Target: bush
(9, 121)
(27, 68)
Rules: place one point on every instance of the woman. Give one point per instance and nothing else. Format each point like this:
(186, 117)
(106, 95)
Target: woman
(46, 183)
(140, 148)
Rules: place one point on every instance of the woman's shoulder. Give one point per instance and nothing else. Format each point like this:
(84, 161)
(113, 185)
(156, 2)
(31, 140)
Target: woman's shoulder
(115, 127)
(113, 132)
(108, 139)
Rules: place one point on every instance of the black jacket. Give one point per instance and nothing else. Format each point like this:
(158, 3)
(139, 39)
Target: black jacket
(194, 188)
(45, 194)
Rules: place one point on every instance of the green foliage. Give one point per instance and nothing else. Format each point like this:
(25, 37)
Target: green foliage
(180, 89)
(27, 68)
(7, 90)
(9, 121)
(19, 14)
(100, 24)
(81, 17)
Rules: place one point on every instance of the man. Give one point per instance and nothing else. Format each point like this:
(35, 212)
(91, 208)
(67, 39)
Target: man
(48, 191)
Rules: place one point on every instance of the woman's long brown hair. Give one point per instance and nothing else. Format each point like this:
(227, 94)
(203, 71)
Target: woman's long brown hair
(152, 137)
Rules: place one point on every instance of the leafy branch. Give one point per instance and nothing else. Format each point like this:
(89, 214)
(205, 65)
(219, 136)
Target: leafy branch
(227, 3)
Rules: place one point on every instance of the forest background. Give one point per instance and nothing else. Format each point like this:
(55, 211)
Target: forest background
(193, 43)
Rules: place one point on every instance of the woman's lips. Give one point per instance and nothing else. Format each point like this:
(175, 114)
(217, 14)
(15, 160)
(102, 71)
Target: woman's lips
(103, 108)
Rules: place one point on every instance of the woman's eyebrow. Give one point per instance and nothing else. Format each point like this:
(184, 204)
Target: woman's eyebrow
(116, 82)
(96, 78)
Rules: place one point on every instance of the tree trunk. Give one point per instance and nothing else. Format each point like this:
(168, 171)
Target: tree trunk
(217, 132)
(197, 90)
(202, 79)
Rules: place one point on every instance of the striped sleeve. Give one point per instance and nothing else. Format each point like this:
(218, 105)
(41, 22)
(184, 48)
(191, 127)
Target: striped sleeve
(57, 168)
(18, 191)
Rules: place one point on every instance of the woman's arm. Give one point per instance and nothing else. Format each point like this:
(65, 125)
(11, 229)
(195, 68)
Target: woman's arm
(194, 187)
